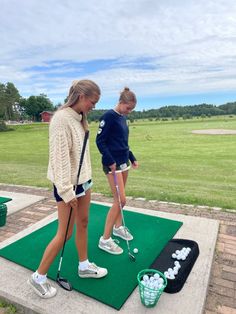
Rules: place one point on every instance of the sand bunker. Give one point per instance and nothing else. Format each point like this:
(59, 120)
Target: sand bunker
(215, 132)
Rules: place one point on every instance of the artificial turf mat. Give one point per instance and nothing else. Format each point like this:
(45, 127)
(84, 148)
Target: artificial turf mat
(151, 234)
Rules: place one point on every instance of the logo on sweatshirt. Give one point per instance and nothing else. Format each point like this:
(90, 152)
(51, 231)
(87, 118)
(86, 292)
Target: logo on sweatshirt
(102, 123)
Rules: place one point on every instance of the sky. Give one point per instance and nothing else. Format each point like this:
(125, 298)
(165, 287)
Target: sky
(169, 52)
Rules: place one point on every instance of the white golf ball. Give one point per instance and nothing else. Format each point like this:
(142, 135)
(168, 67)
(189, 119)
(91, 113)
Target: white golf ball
(151, 285)
(156, 276)
(135, 250)
(145, 278)
(171, 276)
(156, 285)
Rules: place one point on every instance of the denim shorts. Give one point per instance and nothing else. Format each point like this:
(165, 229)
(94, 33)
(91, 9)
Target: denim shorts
(80, 190)
(119, 168)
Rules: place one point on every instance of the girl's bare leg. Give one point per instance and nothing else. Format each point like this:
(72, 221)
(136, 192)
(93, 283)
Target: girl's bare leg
(114, 211)
(118, 221)
(57, 242)
(81, 219)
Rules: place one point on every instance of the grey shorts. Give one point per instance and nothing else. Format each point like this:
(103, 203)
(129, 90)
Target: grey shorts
(119, 168)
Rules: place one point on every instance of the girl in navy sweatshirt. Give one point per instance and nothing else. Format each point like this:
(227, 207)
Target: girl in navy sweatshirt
(112, 142)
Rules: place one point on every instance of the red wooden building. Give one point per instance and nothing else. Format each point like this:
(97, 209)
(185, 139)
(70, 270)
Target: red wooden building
(46, 116)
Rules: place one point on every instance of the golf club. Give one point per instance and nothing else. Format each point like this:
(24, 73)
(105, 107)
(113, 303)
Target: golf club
(63, 282)
(131, 256)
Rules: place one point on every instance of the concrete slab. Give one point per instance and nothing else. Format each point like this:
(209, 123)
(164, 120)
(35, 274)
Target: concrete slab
(19, 200)
(190, 299)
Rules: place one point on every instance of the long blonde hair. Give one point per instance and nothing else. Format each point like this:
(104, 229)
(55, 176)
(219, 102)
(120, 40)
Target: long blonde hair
(79, 87)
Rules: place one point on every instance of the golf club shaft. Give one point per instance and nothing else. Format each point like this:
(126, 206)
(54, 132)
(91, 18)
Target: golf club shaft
(62, 252)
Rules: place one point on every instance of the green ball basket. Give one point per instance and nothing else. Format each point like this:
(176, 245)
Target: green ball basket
(150, 296)
(3, 208)
(3, 214)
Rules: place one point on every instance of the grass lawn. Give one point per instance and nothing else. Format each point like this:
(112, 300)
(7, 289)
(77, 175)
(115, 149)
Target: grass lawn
(175, 165)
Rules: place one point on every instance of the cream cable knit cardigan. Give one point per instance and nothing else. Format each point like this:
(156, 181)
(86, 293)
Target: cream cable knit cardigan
(66, 135)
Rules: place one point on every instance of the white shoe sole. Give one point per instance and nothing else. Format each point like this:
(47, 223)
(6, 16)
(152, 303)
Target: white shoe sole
(106, 250)
(96, 276)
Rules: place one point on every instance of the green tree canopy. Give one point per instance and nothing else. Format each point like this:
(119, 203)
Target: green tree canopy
(9, 98)
(34, 105)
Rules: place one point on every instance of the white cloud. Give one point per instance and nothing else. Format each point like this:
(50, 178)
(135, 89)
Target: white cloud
(189, 46)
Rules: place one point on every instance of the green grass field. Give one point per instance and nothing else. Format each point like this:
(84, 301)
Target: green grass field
(175, 165)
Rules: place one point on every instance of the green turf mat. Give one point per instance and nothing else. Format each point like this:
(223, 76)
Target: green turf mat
(5, 200)
(151, 234)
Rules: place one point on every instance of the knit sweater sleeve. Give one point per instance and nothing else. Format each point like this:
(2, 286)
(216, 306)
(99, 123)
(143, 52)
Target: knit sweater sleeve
(59, 158)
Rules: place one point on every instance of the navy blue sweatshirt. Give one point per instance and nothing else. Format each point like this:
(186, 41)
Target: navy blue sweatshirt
(112, 139)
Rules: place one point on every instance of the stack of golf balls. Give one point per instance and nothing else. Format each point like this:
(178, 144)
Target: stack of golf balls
(172, 272)
(151, 286)
(181, 254)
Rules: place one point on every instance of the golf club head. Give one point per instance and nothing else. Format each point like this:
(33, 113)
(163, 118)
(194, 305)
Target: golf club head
(64, 283)
(132, 257)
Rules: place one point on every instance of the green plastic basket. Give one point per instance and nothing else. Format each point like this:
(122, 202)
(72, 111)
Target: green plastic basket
(3, 214)
(2, 220)
(3, 208)
(150, 295)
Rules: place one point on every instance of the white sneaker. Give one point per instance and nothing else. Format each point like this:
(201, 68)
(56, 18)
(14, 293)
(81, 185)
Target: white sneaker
(110, 246)
(44, 290)
(122, 232)
(93, 271)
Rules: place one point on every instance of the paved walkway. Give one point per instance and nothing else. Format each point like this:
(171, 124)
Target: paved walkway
(221, 296)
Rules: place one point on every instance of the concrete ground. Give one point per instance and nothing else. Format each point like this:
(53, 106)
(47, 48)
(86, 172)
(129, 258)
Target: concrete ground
(191, 299)
(21, 200)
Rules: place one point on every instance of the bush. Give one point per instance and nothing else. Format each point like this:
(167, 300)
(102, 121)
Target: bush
(3, 126)
(7, 308)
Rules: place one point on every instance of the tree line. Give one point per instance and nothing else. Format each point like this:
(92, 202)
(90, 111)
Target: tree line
(176, 112)
(15, 107)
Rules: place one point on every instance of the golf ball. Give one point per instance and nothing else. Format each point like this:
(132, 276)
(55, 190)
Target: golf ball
(156, 276)
(135, 250)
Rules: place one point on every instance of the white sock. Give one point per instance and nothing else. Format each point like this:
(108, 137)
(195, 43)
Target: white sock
(39, 278)
(84, 265)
